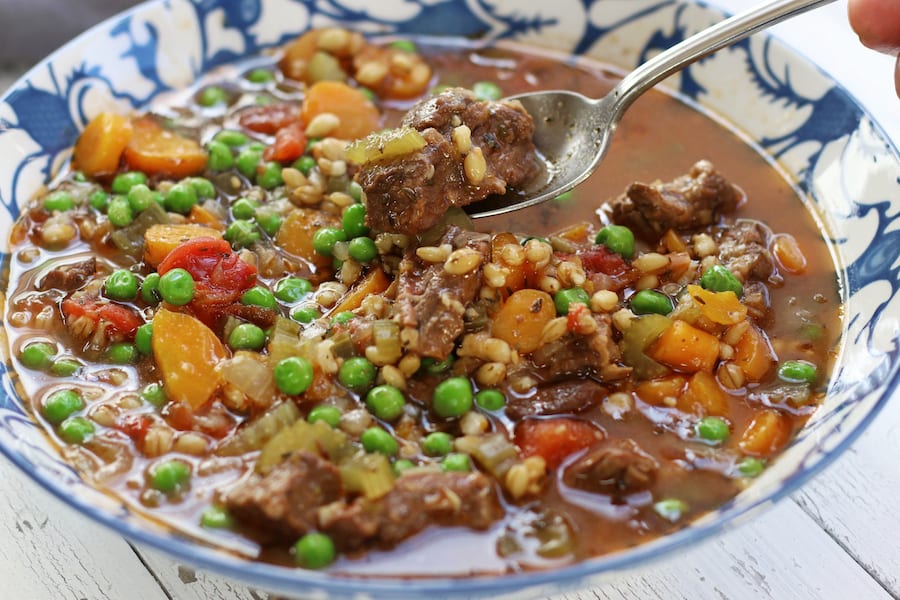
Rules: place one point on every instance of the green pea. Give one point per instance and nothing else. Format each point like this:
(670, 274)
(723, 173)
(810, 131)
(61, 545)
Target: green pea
(564, 299)
(119, 211)
(150, 289)
(325, 238)
(713, 429)
(59, 201)
(618, 239)
(490, 399)
(170, 476)
(216, 517)
(244, 208)
(355, 190)
(437, 443)
(270, 222)
(99, 200)
(404, 46)
(564, 198)
(435, 367)
(259, 146)
(177, 287)
(37, 355)
(293, 375)
(203, 187)
(220, 156)
(342, 317)
(212, 95)
(230, 137)
(719, 279)
(325, 412)
(292, 289)
(60, 405)
(670, 509)
(259, 296)
(357, 373)
(241, 233)
(362, 249)
(121, 284)
(260, 76)
(181, 198)
(79, 176)
(305, 314)
(647, 302)
(246, 162)
(270, 176)
(353, 221)
(314, 551)
(385, 402)
(122, 353)
(247, 336)
(797, 371)
(153, 393)
(402, 464)
(751, 466)
(139, 197)
(76, 430)
(65, 367)
(487, 90)
(375, 439)
(125, 181)
(456, 462)
(452, 397)
(143, 338)
(304, 164)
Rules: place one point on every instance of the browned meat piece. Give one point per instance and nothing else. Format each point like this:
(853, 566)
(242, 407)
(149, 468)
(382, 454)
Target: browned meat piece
(596, 354)
(756, 299)
(694, 200)
(432, 300)
(744, 250)
(69, 277)
(258, 315)
(284, 502)
(411, 193)
(615, 467)
(416, 501)
(557, 398)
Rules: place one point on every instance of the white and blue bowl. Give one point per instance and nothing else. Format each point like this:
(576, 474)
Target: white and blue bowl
(793, 112)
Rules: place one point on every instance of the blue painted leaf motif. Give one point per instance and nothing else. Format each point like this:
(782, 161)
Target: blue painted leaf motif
(45, 116)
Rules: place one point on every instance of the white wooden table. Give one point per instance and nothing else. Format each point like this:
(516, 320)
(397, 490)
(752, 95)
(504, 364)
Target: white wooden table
(837, 538)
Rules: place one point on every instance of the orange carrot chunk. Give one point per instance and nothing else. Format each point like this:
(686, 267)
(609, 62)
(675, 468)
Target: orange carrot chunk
(685, 348)
(100, 146)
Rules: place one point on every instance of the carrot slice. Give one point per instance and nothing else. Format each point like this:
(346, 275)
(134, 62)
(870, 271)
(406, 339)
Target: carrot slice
(521, 320)
(374, 282)
(685, 348)
(766, 434)
(158, 151)
(358, 116)
(161, 239)
(100, 146)
(297, 231)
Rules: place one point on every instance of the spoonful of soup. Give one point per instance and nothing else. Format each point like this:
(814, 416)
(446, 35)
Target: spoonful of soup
(572, 132)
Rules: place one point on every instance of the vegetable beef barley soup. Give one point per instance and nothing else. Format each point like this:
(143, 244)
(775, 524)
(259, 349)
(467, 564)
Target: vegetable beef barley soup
(258, 313)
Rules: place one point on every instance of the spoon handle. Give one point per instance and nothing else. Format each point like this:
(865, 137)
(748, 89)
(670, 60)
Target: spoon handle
(706, 42)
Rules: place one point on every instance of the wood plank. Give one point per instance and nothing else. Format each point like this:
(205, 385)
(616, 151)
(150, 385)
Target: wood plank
(49, 551)
(187, 583)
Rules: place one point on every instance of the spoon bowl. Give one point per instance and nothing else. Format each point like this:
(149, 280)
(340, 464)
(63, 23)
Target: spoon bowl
(572, 132)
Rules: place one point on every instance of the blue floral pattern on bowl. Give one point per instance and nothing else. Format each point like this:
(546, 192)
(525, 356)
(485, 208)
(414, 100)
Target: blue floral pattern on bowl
(793, 112)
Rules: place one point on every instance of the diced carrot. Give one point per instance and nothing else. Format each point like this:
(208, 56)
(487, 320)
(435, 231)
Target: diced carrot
(788, 253)
(673, 242)
(515, 279)
(289, 145)
(753, 354)
(521, 320)
(656, 391)
(158, 151)
(703, 396)
(577, 233)
(373, 283)
(297, 231)
(719, 307)
(202, 216)
(555, 439)
(358, 116)
(766, 434)
(162, 238)
(685, 348)
(100, 146)
(186, 352)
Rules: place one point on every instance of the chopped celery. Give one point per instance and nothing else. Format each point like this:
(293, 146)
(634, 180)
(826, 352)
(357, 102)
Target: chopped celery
(256, 434)
(386, 144)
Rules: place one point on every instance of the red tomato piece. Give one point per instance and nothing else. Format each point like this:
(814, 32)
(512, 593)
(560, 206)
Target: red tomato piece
(290, 143)
(119, 318)
(269, 119)
(555, 439)
(135, 427)
(220, 276)
(601, 260)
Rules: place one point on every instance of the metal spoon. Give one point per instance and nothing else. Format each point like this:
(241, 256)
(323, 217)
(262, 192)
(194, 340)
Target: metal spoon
(573, 132)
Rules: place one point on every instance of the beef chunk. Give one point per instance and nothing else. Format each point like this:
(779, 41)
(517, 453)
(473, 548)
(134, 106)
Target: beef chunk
(432, 301)
(744, 250)
(690, 201)
(615, 467)
(596, 354)
(411, 193)
(756, 299)
(284, 502)
(556, 398)
(69, 277)
(416, 501)
(258, 315)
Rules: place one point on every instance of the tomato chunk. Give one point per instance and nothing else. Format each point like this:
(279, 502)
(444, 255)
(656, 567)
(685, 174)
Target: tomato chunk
(555, 439)
(118, 317)
(269, 119)
(602, 260)
(290, 143)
